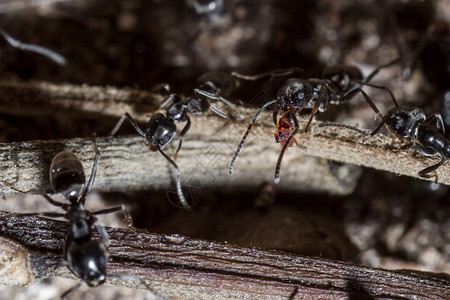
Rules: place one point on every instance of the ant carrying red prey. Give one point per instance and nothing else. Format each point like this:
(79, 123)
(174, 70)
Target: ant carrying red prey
(339, 84)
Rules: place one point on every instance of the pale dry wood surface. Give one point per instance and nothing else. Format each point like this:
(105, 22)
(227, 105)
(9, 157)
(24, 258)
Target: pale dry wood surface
(126, 163)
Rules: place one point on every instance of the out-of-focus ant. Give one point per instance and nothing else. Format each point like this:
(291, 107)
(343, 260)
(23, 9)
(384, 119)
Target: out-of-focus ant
(412, 125)
(85, 257)
(50, 54)
(339, 84)
(161, 129)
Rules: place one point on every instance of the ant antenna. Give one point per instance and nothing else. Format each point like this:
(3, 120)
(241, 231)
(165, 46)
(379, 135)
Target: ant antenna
(50, 54)
(354, 128)
(238, 150)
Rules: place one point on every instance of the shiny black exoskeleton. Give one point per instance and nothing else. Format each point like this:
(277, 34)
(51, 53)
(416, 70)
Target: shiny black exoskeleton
(86, 257)
(161, 129)
(412, 125)
(339, 84)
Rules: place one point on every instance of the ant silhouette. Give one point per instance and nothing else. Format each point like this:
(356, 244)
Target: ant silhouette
(161, 129)
(412, 125)
(50, 54)
(339, 84)
(86, 258)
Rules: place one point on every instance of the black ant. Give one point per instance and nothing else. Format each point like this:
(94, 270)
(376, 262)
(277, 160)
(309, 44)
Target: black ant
(86, 258)
(412, 125)
(161, 129)
(50, 54)
(339, 84)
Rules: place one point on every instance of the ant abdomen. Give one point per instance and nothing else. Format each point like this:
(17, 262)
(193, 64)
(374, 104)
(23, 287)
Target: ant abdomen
(88, 261)
(67, 175)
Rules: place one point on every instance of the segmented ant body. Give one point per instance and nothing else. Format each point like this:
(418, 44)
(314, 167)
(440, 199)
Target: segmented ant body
(412, 125)
(50, 54)
(161, 129)
(86, 258)
(339, 84)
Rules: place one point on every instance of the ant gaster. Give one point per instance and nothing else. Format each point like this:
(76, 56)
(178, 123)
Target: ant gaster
(339, 84)
(86, 258)
(412, 125)
(161, 129)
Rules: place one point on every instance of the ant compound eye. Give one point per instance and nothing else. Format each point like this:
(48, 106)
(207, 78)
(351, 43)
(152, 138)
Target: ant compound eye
(67, 176)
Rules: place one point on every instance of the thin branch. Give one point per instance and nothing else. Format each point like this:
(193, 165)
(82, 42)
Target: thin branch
(126, 163)
(179, 266)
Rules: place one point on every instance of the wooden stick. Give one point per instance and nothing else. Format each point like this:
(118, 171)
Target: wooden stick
(179, 266)
(126, 163)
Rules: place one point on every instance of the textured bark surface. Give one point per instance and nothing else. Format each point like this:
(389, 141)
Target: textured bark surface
(194, 269)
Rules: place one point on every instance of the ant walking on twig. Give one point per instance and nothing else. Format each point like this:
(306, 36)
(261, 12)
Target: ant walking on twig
(161, 129)
(85, 257)
(412, 125)
(339, 84)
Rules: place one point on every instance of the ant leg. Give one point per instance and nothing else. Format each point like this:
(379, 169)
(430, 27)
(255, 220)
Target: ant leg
(372, 105)
(272, 74)
(424, 172)
(435, 118)
(182, 133)
(241, 144)
(94, 170)
(330, 124)
(378, 69)
(142, 281)
(54, 202)
(178, 180)
(108, 210)
(219, 112)
(164, 102)
(319, 100)
(380, 87)
(119, 124)
(50, 54)
(71, 290)
(214, 97)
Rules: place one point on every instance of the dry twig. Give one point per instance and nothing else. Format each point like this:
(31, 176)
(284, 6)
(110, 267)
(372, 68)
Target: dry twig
(195, 269)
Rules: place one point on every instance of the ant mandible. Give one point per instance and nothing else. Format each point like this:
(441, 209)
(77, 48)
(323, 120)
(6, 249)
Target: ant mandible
(50, 54)
(161, 129)
(411, 124)
(86, 258)
(339, 84)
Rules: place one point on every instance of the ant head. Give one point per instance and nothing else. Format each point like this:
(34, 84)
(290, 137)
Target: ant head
(160, 130)
(197, 105)
(67, 176)
(88, 261)
(342, 76)
(294, 92)
(404, 121)
(177, 112)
